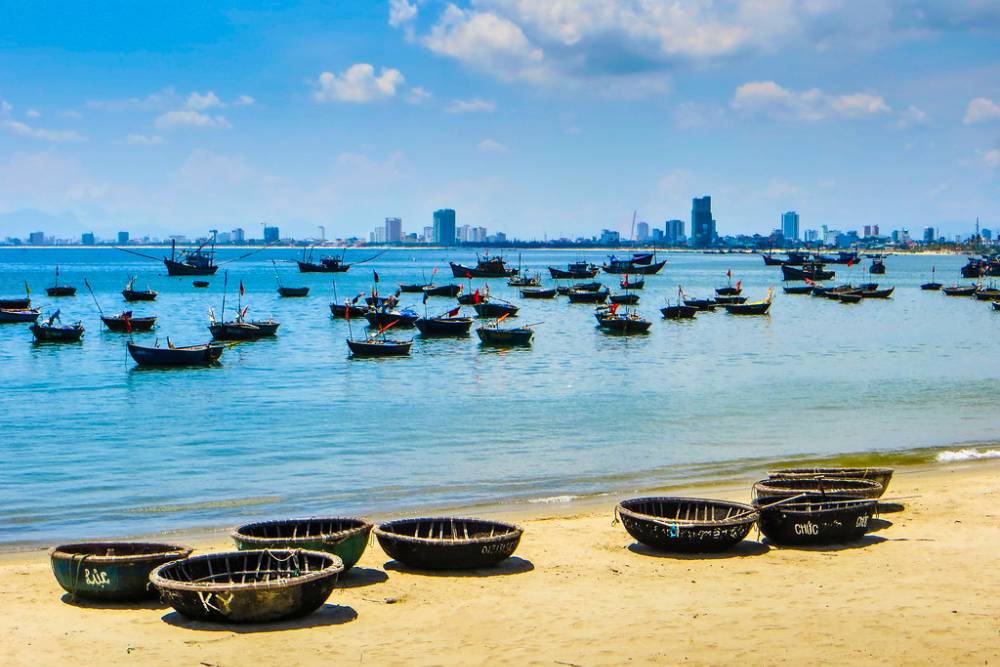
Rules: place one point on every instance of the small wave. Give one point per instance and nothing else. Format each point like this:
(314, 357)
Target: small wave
(967, 455)
(552, 499)
(208, 504)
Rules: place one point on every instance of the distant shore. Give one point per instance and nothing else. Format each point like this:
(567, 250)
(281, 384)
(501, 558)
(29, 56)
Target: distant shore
(580, 592)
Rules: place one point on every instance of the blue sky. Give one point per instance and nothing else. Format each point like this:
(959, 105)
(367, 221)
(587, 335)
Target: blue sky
(531, 117)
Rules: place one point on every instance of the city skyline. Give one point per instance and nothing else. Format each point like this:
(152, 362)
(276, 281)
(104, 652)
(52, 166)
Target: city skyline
(540, 124)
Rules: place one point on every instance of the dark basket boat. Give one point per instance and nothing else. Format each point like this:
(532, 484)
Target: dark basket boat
(380, 347)
(115, 571)
(490, 267)
(293, 291)
(688, 525)
(121, 324)
(139, 295)
(623, 324)
(881, 475)
(501, 337)
(701, 304)
(586, 296)
(728, 291)
(414, 288)
(444, 326)
(798, 289)
(678, 312)
(724, 299)
(960, 290)
(192, 355)
(341, 310)
(234, 331)
(848, 297)
(344, 537)
(15, 304)
(538, 293)
(815, 521)
(15, 316)
(987, 295)
(61, 290)
(593, 286)
(931, 287)
(635, 284)
(404, 319)
(628, 266)
(496, 309)
(450, 290)
(200, 284)
(448, 543)
(832, 488)
(47, 332)
(810, 271)
(248, 586)
(626, 299)
(753, 308)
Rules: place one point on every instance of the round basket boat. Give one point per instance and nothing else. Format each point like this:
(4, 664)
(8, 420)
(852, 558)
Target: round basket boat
(248, 586)
(445, 543)
(842, 488)
(816, 522)
(880, 475)
(344, 537)
(689, 525)
(114, 571)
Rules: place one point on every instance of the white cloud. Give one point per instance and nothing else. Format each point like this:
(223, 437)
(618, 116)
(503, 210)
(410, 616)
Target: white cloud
(981, 110)
(475, 105)
(418, 95)
(767, 98)
(188, 118)
(911, 116)
(491, 146)
(991, 158)
(25, 130)
(200, 102)
(358, 84)
(400, 12)
(244, 101)
(153, 102)
(32, 113)
(144, 139)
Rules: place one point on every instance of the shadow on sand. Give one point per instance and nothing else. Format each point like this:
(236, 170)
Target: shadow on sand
(742, 550)
(513, 565)
(327, 615)
(864, 542)
(358, 577)
(84, 603)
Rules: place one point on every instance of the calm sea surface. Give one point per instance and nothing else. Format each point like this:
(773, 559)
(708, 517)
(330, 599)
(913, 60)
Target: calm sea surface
(91, 446)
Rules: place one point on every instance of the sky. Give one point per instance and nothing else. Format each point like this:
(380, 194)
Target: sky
(534, 117)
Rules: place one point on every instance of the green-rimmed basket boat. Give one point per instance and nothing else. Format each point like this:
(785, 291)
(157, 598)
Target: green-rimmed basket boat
(113, 571)
(881, 475)
(345, 537)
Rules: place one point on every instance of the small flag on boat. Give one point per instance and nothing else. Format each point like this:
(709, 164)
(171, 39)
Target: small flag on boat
(475, 297)
(502, 317)
(434, 272)
(739, 285)
(242, 290)
(468, 274)
(851, 262)
(809, 282)
(376, 275)
(454, 311)
(347, 309)
(729, 273)
(613, 309)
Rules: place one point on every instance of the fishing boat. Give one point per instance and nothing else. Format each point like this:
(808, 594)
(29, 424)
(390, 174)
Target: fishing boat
(981, 267)
(686, 525)
(492, 334)
(239, 329)
(324, 265)
(16, 303)
(248, 586)
(130, 293)
(798, 289)
(701, 304)
(414, 288)
(285, 291)
(960, 290)
(450, 290)
(192, 355)
(624, 299)
(538, 293)
(523, 279)
(449, 324)
(678, 312)
(933, 285)
(125, 322)
(878, 293)
(18, 315)
(796, 258)
(380, 317)
(990, 293)
(379, 347)
(197, 262)
(575, 271)
(617, 266)
(47, 331)
(343, 537)
(448, 543)
(114, 571)
(60, 290)
(750, 307)
(810, 271)
(586, 287)
(878, 265)
(627, 322)
(496, 308)
(632, 284)
(486, 267)
(730, 289)
(849, 297)
(200, 284)
(587, 296)
(347, 310)
(771, 260)
(722, 299)
(815, 520)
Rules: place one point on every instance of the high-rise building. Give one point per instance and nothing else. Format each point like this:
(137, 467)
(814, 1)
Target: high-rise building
(868, 231)
(642, 232)
(875, 231)
(702, 224)
(674, 232)
(444, 226)
(238, 235)
(122, 238)
(811, 236)
(609, 237)
(464, 234)
(987, 234)
(477, 235)
(271, 235)
(657, 236)
(393, 230)
(790, 225)
(428, 235)
(928, 235)
(36, 238)
(87, 238)
(378, 235)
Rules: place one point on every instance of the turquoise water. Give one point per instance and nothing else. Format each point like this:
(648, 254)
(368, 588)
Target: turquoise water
(90, 446)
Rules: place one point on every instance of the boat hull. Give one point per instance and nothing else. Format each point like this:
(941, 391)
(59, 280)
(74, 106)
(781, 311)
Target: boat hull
(678, 312)
(538, 293)
(49, 334)
(139, 295)
(18, 316)
(112, 571)
(293, 291)
(195, 355)
(563, 274)
(344, 537)
(816, 522)
(631, 267)
(460, 271)
(121, 324)
(380, 319)
(790, 272)
(182, 269)
(378, 348)
(492, 309)
(491, 336)
(657, 523)
(444, 326)
(61, 290)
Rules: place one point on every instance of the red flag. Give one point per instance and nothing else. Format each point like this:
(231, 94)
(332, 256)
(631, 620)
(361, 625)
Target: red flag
(613, 309)
(626, 280)
(729, 273)
(128, 321)
(851, 263)
(454, 311)
(242, 291)
(475, 296)
(434, 271)
(739, 285)
(809, 282)
(468, 274)
(347, 310)
(502, 317)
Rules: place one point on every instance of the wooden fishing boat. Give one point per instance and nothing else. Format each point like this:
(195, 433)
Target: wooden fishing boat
(881, 475)
(293, 291)
(878, 293)
(237, 330)
(586, 296)
(686, 525)
(632, 284)
(723, 299)
(878, 267)
(625, 299)
(335, 265)
(623, 323)
(451, 290)
(798, 289)
(197, 262)
(678, 312)
(811, 271)
(701, 304)
(628, 266)
(848, 297)
(525, 280)
(816, 521)
(132, 294)
(313, 267)
(931, 287)
(248, 586)
(343, 310)
(344, 537)
(643, 258)
(412, 288)
(113, 571)
(575, 271)
(444, 326)
(494, 335)
(18, 315)
(981, 267)
(380, 347)
(487, 267)
(538, 293)
(496, 309)
(960, 290)
(404, 319)
(586, 287)
(987, 294)
(377, 301)
(996, 305)
(448, 543)
(835, 488)
(47, 331)
(18, 303)
(771, 260)
(192, 355)
(60, 290)
(729, 290)
(200, 284)
(749, 308)
(124, 322)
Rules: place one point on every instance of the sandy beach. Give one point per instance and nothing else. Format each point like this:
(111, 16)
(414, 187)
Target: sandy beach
(921, 589)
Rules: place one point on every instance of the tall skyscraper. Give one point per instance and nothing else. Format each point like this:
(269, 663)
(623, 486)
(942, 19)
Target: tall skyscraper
(867, 230)
(702, 224)
(674, 232)
(122, 238)
(393, 230)
(87, 238)
(928, 235)
(642, 232)
(36, 238)
(238, 235)
(428, 235)
(444, 226)
(790, 225)
(271, 235)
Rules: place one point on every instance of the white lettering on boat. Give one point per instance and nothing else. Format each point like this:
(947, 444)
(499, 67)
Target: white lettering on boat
(807, 528)
(96, 577)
